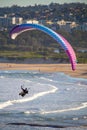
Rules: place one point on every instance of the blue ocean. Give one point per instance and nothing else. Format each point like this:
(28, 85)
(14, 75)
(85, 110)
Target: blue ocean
(55, 101)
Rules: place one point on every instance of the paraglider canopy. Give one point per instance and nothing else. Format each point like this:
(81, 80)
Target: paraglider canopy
(17, 30)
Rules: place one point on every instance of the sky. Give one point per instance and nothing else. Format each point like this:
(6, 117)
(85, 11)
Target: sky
(4, 3)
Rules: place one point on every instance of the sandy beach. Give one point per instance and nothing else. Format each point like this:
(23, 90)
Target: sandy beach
(81, 70)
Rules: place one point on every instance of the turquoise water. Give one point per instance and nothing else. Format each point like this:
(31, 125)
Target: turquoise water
(54, 100)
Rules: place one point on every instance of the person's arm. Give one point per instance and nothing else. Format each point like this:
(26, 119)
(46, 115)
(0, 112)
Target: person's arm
(22, 88)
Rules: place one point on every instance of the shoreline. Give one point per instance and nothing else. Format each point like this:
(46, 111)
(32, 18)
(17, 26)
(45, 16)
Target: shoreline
(80, 72)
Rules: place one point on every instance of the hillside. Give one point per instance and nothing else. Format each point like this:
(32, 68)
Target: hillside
(36, 44)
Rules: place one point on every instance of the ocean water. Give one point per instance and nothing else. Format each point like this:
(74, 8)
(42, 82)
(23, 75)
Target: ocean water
(55, 101)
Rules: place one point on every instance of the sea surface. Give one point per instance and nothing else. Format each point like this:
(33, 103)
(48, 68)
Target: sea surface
(55, 101)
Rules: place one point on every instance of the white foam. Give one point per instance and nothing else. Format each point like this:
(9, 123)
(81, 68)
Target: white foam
(75, 118)
(2, 77)
(27, 112)
(85, 117)
(35, 96)
(47, 79)
(83, 105)
(5, 104)
(81, 84)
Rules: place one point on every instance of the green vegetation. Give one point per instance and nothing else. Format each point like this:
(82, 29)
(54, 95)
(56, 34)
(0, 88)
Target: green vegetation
(82, 57)
(36, 44)
(19, 54)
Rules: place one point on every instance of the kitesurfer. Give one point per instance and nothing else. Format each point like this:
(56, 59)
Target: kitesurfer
(24, 91)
